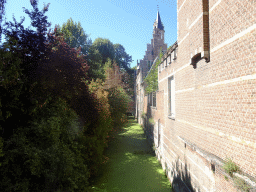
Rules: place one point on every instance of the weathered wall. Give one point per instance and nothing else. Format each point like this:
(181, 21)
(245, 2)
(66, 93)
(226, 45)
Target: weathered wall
(215, 102)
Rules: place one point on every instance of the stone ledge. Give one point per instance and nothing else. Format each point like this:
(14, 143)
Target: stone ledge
(218, 162)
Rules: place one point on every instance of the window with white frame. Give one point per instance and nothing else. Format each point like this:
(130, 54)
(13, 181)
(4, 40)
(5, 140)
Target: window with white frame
(152, 99)
(171, 97)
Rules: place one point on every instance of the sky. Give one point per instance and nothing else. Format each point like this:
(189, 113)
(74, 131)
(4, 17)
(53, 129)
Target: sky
(127, 22)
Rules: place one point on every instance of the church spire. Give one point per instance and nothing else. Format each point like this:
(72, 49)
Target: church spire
(158, 23)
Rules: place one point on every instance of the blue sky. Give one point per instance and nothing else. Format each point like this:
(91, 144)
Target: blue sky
(127, 22)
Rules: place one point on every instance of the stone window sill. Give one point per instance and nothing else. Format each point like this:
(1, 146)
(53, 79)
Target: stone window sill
(171, 117)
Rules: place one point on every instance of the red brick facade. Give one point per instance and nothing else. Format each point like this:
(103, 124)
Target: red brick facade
(215, 96)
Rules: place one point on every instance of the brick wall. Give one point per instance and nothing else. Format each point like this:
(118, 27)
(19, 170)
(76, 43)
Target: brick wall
(215, 102)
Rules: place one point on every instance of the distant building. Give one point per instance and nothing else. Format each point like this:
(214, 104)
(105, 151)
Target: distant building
(204, 110)
(144, 65)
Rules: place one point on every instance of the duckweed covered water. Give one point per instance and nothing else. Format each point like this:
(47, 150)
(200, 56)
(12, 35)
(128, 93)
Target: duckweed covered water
(131, 166)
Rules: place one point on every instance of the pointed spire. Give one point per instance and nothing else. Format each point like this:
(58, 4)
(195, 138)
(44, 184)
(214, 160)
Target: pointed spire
(159, 23)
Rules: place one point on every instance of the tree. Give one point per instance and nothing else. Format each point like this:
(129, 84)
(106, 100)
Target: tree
(30, 44)
(95, 61)
(75, 35)
(40, 81)
(105, 48)
(122, 58)
(20, 56)
(62, 73)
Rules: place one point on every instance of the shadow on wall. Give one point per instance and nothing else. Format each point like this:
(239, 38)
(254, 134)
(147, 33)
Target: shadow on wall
(181, 181)
(179, 172)
(181, 177)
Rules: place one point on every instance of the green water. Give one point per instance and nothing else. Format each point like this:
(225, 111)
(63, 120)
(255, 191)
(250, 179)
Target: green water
(131, 166)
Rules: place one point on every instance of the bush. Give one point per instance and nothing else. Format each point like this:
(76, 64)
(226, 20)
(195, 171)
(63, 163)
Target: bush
(48, 155)
(118, 100)
(99, 140)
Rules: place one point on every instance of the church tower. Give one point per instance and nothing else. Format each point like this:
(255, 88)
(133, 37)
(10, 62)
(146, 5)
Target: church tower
(158, 37)
(153, 48)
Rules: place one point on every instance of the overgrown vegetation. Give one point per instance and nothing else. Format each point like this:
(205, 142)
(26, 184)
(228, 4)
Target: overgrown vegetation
(152, 78)
(241, 184)
(230, 167)
(55, 117)
(151, 120)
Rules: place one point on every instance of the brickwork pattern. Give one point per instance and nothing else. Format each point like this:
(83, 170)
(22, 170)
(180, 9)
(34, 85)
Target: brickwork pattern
(215, 109)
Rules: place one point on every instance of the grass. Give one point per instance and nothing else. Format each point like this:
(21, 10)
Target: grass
(131, 166)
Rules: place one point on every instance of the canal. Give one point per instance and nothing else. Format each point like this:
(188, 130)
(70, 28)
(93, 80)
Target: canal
(131, 165)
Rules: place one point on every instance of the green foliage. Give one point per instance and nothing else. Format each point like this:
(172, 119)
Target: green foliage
(95, 61)
(101, 51)
(98, 142)
(230, 167)
(44, 92)
(151, 121)
(105, 47)
(118, 100)
(74, 35)
(241, 184)
(48, 154)
(122, 59)
(152, 78)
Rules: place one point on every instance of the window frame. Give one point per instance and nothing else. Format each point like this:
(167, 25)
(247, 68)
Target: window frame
(171, 97)
(154, 99)
(175, 54)
(169, 59)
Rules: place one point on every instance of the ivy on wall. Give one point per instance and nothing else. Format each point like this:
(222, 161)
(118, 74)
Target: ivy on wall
(151, 79)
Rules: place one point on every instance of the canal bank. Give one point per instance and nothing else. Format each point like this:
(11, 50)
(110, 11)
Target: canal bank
(131, 165)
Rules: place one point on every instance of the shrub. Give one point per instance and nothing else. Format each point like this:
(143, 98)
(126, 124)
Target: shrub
(99, 140)
(230, 167)
(47, 155)
(118, 100)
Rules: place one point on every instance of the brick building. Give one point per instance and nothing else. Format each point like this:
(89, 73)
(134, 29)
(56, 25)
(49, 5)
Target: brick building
(153, 49)
(205, 110)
